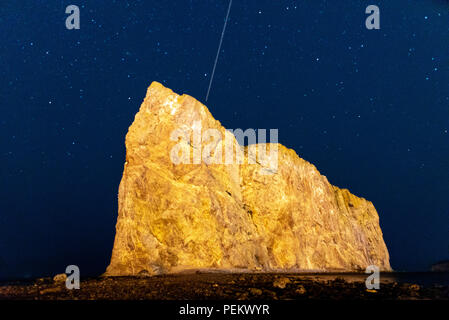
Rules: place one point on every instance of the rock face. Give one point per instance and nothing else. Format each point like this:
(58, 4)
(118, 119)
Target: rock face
(225, 215)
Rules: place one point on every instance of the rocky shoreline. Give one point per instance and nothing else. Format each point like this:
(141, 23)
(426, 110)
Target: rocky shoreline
(221, 286)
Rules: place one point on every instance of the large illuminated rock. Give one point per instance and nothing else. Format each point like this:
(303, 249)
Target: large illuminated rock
(178, 216)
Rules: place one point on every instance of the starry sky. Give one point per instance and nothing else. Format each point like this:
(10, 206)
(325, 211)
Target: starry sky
(370, 108)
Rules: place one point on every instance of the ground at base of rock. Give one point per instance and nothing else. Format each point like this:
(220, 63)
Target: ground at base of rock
(222, 286)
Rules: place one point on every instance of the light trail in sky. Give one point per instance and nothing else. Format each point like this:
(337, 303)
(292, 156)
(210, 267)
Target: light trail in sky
(218, 51)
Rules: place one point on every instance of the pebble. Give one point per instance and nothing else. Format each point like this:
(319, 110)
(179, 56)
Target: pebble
(60, 277)
(255, 291)
(281, 283)
(300, 290)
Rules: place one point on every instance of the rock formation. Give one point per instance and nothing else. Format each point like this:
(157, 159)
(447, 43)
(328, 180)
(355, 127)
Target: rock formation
(177, 216)
(442, 266)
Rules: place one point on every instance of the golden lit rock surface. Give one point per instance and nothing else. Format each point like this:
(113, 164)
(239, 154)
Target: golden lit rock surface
(174, 217)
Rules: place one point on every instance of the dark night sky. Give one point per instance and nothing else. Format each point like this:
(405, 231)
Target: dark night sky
(369, 108)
